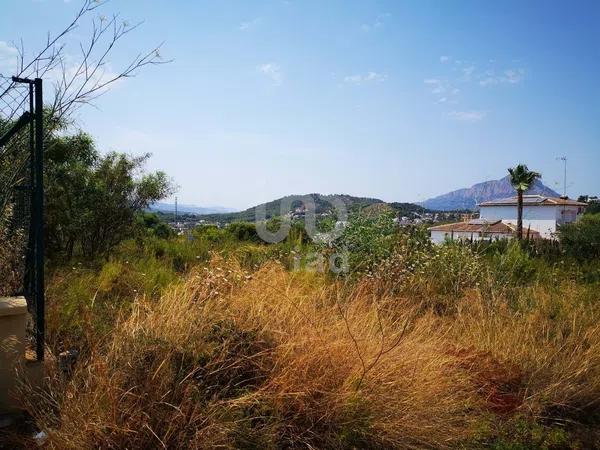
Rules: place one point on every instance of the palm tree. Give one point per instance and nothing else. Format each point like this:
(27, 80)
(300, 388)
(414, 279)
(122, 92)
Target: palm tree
(521, 179)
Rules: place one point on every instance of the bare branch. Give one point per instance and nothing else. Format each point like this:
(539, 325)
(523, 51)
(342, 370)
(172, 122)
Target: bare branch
(75, 79)
(79, 83)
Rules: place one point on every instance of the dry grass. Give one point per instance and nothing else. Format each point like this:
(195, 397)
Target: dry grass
(279, 359)
(558, 351)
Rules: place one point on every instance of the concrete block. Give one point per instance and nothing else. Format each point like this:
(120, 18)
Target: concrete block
(13, 322)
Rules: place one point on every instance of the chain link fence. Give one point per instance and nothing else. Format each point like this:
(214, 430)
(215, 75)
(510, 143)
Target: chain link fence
(21, 197)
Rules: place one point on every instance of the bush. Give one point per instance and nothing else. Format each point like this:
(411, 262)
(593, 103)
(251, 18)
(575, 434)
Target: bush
(368, 240)
(211, 233)
(153, 225)
(581, 239)
(512, 265)
(243, 231)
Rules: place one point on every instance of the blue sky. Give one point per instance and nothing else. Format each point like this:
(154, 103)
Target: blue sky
(400, 100)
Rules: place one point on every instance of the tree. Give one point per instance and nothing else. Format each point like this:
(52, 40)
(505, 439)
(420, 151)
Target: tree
(75, 71)
(153, 224)
(521, 178)
(593, 202)
(92, 200)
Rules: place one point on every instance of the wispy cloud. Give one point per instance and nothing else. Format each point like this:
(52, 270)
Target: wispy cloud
(377, 23)
(442, 89)
(509, 76)
(250, 24)
(484, 74)
(368, 77)
(438, 86)
(467, 73)
(467, 116)
(488, 81)
(8, 59)
(514, 75)
(273, 71)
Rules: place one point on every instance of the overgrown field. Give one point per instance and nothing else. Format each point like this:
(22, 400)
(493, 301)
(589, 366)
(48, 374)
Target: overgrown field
(221, 342)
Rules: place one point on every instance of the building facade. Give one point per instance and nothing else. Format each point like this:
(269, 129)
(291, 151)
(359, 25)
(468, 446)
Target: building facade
(476, 230)
(542, 216)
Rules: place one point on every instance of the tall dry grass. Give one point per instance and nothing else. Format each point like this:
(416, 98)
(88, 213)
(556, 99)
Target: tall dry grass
(555, 343)
(279, 359)
(269, 360)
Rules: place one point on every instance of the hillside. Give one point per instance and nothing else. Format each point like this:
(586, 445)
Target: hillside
(468, 198)
(400, 209)
(323, 203)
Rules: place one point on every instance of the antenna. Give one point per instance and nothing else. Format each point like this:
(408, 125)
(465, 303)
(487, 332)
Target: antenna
(564, 160)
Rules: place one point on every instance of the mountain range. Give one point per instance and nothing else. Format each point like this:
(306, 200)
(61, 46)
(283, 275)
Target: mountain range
(461, 199)
(469, 198)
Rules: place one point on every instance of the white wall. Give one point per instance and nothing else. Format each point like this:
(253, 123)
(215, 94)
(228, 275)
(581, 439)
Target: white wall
(543, 219)
(567, 214)
(439, 237)
(538, 218)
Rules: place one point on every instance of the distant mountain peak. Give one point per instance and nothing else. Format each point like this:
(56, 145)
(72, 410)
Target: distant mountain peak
(469, 198)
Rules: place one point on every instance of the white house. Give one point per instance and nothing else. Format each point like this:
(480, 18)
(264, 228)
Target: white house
(475, 230)
(542, 214)
(498, 219)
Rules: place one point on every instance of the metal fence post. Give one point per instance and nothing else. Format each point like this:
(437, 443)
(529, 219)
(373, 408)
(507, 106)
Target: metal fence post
(38, 219)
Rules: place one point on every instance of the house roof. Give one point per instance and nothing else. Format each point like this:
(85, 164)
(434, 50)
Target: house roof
(533, 200)
(482, 226)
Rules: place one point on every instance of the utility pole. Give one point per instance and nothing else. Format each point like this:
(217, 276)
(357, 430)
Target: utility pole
(564, 160)
(175, 210)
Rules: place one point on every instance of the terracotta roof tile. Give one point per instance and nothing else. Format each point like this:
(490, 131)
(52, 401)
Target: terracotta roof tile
(481, 226)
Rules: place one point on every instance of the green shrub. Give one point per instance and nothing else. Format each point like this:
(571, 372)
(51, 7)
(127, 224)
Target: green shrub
(581, 239)
(151, 224)
(211, 233)
(454, 268)
(243, 231)
(512, 264)
(368, 240)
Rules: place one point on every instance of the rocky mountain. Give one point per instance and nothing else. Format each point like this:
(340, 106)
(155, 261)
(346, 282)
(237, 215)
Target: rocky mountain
(468, 198)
